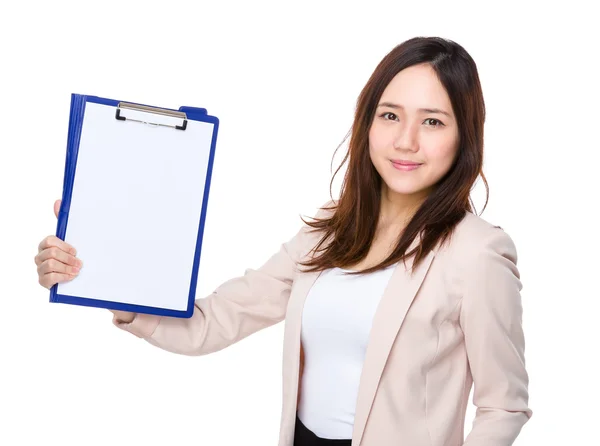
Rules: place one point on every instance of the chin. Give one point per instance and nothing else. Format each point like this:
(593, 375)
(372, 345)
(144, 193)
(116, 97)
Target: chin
(405, 187)
(405, 190)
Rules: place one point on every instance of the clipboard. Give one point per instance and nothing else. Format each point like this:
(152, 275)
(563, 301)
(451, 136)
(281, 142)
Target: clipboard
(135, 194)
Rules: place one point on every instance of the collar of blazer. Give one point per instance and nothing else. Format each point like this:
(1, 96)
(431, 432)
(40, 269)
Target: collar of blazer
(395, 302)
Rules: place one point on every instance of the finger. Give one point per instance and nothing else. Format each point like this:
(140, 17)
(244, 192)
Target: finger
(51, 279)
(58, 254)
(54, 266)
(54, 241)
(57, 207)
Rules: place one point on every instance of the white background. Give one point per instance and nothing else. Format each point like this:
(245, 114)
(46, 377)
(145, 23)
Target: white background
(283, 79)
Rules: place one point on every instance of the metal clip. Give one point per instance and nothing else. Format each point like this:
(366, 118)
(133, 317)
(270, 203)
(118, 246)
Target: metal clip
(154, 110)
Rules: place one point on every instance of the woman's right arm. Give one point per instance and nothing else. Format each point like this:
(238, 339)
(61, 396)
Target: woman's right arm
(236, 309)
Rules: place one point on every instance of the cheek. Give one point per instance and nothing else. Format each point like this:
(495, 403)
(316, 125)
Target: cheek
(377, 142)
(440, 151)
(444, 155)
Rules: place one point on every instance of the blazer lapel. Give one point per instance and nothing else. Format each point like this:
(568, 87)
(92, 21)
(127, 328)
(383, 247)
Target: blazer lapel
(291, 357)
(393, 306)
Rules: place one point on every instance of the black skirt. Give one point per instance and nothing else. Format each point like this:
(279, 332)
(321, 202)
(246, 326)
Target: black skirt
(303, 436)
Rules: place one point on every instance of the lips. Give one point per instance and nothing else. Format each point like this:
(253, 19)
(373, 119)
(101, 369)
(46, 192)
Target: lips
(405, 166)
(405, 163)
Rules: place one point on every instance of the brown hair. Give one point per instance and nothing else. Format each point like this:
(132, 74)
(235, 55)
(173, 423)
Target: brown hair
(353, 223)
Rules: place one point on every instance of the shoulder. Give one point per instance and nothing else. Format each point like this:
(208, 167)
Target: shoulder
(479, 252)
(474, 236)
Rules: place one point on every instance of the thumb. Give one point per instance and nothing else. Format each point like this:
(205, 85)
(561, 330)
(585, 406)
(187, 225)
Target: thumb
(57, 207)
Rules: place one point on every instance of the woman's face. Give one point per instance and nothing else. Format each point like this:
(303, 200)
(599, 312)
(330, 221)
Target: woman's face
(404, 132)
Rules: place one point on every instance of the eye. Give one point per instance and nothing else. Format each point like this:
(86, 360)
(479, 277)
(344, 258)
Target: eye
(439, 123)
(388, 113)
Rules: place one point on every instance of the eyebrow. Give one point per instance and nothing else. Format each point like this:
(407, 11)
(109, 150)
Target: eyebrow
(426, 110)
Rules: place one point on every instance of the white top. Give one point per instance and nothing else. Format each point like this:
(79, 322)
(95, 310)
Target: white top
(336, 323)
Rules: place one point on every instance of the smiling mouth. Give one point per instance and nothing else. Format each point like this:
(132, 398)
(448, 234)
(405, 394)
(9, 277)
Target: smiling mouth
(405, 162)
(405, 166)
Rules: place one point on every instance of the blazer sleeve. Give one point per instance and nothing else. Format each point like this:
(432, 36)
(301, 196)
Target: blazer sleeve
(491, 320)
(236, 309)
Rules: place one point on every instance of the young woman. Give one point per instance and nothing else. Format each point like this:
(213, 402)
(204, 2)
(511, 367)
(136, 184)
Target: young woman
(397, 297)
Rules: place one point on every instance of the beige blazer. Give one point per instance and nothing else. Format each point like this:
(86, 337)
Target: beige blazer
(456, 321)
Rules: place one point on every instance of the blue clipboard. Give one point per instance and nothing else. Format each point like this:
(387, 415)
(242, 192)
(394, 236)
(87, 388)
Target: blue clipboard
(187, 119)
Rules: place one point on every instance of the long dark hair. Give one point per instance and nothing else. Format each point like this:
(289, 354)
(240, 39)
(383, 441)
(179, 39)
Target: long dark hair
(352, 225)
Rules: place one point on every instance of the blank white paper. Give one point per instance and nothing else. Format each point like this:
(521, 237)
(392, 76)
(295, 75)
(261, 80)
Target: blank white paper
(135, 209)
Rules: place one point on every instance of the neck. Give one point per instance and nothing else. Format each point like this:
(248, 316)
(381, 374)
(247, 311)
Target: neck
(397, 209)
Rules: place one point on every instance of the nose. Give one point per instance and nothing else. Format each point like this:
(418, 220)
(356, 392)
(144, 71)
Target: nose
(407, 137)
